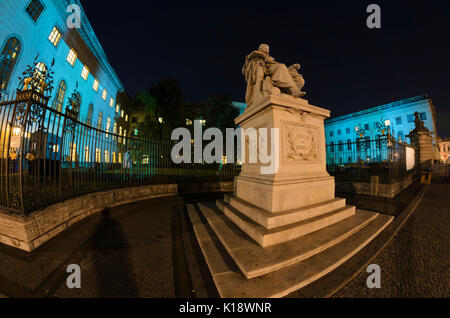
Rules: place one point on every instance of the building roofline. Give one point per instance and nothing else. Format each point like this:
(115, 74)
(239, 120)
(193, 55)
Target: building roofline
(378, 108)
(91, 40)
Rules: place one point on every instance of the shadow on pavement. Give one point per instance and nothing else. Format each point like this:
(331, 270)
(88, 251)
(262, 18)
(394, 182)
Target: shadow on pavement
(110, 248)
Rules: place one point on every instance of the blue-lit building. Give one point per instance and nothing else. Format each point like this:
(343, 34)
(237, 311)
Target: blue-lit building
(399, 116)
(240, 106)
(29, 27)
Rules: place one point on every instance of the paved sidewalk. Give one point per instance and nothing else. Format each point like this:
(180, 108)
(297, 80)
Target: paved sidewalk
(145, 249)
(127, 251)
(416, 262)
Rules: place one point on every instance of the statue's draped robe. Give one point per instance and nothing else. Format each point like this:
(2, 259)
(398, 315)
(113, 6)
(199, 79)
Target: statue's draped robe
(257, 66)
(281, 77)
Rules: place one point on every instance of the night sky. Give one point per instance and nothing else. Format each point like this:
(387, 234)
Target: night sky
(347, 66)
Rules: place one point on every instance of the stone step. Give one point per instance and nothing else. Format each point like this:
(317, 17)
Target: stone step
(265, 237)
(231, 283)
(272, 220)
(254, 260)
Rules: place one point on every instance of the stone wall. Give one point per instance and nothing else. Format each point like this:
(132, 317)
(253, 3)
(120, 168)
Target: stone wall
(376, 189)
(29, 232)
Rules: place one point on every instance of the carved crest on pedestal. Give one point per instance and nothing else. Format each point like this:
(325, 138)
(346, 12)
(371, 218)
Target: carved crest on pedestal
(301, 143)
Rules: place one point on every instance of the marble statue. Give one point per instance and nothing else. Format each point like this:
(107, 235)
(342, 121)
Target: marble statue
(265, 76)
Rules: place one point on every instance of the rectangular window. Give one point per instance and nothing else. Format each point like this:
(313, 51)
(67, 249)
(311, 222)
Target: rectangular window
(349, 144)
(73, 151)
(126, 117)
(35, 9)
(72, 57)
(111, 102)
(398, 120)
(87, 157)
(188, 122)
(347, 130)
(339, 132)
(331, 134)
(95, 86)
(55, 36)
(366, 126)
(411, 118)
(122, 114)
(98, 155)
(117, 108)
(105, 94)
(106, 156)
(85, 72)
(423, 116)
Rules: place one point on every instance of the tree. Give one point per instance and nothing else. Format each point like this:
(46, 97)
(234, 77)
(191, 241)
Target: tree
(219, 112)
(169, 105)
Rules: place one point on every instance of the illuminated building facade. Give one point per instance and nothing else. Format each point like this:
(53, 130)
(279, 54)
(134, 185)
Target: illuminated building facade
(398, 116)
(29, 27)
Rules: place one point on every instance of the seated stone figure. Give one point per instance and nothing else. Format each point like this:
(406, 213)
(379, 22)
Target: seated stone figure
(265, 76)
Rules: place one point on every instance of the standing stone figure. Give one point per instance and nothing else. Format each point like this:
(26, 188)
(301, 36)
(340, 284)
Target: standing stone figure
(265, 76)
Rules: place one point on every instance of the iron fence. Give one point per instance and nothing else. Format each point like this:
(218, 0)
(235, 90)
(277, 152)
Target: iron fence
(384, 157)
(47, 156)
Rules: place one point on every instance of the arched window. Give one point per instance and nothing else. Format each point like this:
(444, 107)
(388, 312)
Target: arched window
(40, 71)
(90, 114)
(59, 97)
(99, 121)
(8, 59)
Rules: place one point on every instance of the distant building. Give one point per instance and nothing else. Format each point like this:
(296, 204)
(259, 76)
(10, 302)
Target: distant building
(29, 27)
(240, 106)
(444, 150)
(399, 115)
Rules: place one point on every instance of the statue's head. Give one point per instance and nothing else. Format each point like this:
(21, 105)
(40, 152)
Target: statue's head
(264, 48)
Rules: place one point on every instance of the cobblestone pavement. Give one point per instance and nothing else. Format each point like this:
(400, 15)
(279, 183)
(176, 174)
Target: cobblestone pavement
(127, 251)
(416, 262)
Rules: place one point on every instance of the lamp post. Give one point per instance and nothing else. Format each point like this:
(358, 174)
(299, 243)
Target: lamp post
(161, 122)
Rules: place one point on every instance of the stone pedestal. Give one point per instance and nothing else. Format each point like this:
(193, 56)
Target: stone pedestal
(422, 139)
(300, 190)
(301, 179)
(281, 231)
(423, 142)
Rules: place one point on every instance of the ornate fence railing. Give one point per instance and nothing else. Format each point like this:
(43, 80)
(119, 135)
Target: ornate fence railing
(384, 157)
(47, 156)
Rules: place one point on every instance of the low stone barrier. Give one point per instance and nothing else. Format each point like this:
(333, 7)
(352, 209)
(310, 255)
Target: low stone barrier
(201, 187)
(29, 232)
(376, 189)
